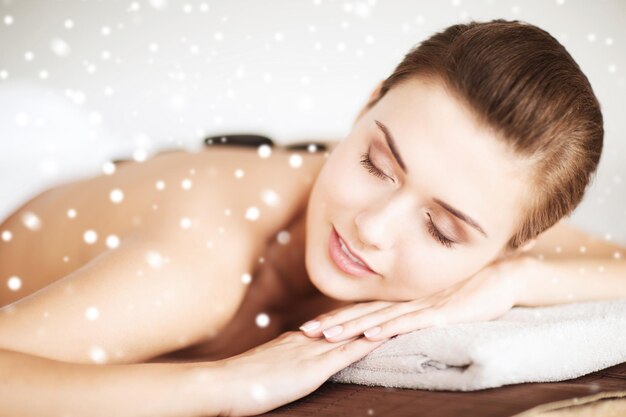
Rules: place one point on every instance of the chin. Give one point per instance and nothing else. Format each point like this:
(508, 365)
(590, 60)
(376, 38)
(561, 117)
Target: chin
(321, 279)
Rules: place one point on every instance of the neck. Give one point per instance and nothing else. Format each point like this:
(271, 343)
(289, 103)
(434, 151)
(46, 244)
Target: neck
(288, 262)
(288, 282)
(293, 295)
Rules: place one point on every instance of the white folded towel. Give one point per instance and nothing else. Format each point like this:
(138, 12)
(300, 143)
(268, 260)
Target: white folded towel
(527, 344)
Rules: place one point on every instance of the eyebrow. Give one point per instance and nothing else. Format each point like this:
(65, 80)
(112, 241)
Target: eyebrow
(394, 150)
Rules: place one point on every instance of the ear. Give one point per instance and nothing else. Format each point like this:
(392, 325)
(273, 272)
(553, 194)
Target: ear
(373, 97)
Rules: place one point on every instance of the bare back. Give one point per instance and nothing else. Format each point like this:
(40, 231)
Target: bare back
(172, 190)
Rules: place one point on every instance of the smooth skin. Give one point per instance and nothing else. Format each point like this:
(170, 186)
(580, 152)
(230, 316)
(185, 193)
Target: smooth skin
(88, 315)
(285, 369)
(266, 377)
(53, 349)
(383, 196)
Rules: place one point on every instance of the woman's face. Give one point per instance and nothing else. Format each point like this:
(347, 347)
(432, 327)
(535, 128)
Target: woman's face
(393, 214)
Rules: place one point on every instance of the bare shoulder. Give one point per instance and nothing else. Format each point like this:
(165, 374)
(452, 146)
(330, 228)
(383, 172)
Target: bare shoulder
(156, 293)
(566, 239)
(175, 278)
(259, 192)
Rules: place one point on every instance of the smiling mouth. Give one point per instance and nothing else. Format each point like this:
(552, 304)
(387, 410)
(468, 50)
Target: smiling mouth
(347, 252)
(345, 260)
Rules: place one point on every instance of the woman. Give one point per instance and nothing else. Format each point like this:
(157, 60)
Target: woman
(483, 138)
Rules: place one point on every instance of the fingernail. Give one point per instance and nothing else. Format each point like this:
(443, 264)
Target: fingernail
(333, 331)
(372, 332)
(310, 325)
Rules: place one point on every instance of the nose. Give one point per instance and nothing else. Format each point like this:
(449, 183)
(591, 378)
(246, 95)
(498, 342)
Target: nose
(380, 224)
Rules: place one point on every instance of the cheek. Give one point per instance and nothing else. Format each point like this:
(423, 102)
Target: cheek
(344, 183)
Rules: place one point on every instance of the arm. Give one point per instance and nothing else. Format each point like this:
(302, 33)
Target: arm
(568, 265)
(56, 354)
(35, 386)
(555, 271)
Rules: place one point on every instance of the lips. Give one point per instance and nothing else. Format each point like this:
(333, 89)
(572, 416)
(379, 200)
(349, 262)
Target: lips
(352, 252)
(348, 262)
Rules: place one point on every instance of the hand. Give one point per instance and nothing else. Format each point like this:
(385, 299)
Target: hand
(486, 295)
(283, 370)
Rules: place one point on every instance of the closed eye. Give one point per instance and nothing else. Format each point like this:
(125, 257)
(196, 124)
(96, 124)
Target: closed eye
(438, 235)
(432, 229)
(373, 169)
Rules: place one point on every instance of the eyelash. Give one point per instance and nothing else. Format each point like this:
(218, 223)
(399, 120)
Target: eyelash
(369, 165)
(432, 229)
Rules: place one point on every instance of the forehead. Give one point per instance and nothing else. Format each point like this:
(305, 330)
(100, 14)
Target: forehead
(450, 156)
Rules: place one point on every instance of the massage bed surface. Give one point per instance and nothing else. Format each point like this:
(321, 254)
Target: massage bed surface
(350, 400)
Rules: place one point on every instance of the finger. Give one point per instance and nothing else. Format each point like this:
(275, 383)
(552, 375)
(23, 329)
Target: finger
(359, 325)
(321, 346)
(317, 345)
(345, 354)
(344, 314)
(415, 320)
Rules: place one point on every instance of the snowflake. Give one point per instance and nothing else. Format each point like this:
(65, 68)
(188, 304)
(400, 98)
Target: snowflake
(264, 151)
(252, 213)
(262, 320)
(14, 283)
(270, 197)
(92, 313)
(140, 155)
(112, 241)
(98, 355)
(59, 47)
(90, 237)
(186, 183)
(258, 392)
(7, 235)
(116, 196)
(31, 221)
(154, 259)
(283, 237)
(108, 168)
(295, 160)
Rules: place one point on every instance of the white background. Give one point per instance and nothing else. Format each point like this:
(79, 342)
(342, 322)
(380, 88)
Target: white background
(85, 81)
